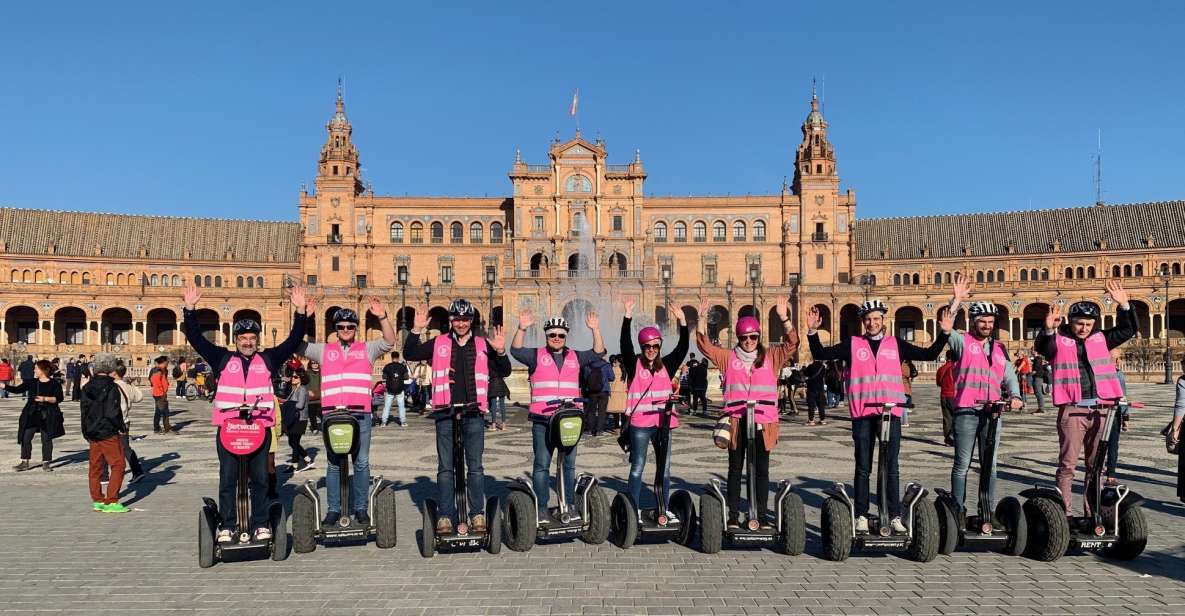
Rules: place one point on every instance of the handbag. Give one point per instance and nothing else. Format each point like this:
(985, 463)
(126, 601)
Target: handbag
(722, 433)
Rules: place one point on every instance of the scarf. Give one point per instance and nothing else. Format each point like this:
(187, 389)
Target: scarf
(747, 357)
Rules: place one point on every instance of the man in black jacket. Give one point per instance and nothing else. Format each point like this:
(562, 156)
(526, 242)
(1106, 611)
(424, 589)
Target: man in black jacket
(697, 379)
(395, 381)
(102, 423)
(25, 369)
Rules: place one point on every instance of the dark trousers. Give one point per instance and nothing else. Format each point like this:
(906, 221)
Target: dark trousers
(864, 435)
(1181, 473)
(597, 411)
(76, 389)
(161, 414)
(473, 434)
(816, 401)
(228, 481)
(1113, 445)
(315, 416)
(27, 445)
(295, 432)
(699, 397)
(760, 474)
(180, 388)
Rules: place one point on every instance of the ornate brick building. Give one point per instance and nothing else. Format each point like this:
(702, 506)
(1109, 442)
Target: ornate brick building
(574, 229)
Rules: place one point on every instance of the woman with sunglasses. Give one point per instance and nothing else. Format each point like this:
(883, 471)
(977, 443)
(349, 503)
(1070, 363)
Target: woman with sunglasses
(750, 373)
(648, 379)
(554, 372)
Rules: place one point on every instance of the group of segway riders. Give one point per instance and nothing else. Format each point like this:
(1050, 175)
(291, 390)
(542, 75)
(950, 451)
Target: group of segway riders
(1086, 389)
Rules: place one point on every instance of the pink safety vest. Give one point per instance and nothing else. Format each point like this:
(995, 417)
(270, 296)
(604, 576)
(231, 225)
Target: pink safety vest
(742, 385)
(1066, 388)
(646, 397)
(874, 378)
(345, 377)
(442, 362)
(550, 382)
(235, 389)
(976, 380)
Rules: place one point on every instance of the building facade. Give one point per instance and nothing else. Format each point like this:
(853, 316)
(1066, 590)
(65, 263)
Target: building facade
(576, 232)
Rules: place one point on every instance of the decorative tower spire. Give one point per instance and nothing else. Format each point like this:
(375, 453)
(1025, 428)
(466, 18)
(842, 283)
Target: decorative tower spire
(815, 159)
(339, 163)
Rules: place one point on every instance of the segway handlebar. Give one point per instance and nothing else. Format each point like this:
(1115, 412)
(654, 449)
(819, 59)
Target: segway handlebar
(244, 410)
(468, 408)
(1104, 402)
(558, 402)
(888, 405)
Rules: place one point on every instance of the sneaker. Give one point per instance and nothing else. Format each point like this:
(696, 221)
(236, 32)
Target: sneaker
(46, 467)
(361, 518)
(224, 536)
(331, 518)
(444, 526)
(98, 505)
(136, 478)
(115, 508)
(263, 534)
(811, 423)
(896, 525)
(479, 523)
(734, 522)
(861, 524)
(23, 466)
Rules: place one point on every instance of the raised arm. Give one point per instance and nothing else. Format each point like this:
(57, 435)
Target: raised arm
(526, 319)
(626, 341)
(212, 353)
(380, 312)
(413, 348)
(593, 321)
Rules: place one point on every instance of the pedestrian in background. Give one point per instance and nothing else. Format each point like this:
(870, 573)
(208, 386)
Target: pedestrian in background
(6, 374)
(102, 423)
(160, 396)
(41, 413)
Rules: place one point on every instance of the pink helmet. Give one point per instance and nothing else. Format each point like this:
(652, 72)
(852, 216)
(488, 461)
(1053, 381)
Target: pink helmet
(648, 334)
(748, 325)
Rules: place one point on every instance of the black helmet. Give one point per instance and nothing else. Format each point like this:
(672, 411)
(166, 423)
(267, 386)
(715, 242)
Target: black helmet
(981, 309)
(460, 308)
(345, 315)
(1083, 310)
(246, 326)
(872, 305)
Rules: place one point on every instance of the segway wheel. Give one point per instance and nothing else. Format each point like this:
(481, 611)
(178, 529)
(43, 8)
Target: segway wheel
(683, 507)
(793, 525)
(948, 527)
(519, 525)
(205, 538)
(836, 527)
(597, 530)
(1049, 533)
(279, 520)
(304, 524)
(428, 534)
(1012, 515)
(623, 522)
(711, 524)
(384, 518)
(1133, 535)
(494, 515)
(924, 546)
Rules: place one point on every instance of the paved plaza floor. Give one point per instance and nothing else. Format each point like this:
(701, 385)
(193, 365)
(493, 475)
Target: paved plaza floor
(57, 556)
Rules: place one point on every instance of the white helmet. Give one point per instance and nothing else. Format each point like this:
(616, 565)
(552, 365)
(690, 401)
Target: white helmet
(555, 323)
(872, 305)
(980, 309)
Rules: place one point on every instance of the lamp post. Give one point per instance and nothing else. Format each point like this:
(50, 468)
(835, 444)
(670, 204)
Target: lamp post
(401, 278)
(274, 332)
(1168, 351)
(866, 282)
(728, 287)
(754, 278)
(428, 300)
(666, 286)
(491, 279)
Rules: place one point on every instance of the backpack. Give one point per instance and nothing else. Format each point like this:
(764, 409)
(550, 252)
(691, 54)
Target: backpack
(176, 372)
(592, 380)
(102, 414)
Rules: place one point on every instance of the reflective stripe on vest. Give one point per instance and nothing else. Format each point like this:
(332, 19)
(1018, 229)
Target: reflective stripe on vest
(236, 389)
(743, 384)
(874, 378)
(550, 382)
(646, 397)
(1066, 386)
(345, 376)
(442, 363)
(976, 380)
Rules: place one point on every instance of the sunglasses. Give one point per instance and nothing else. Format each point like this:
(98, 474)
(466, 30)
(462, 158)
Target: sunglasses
(558, 336)
(651, 347)
(346, 328)
(750, 337)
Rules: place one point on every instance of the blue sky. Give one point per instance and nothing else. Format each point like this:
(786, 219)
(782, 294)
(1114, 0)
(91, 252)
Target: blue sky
(213, 109)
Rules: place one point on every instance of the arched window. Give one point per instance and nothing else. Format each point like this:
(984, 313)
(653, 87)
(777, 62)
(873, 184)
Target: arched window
(946, 278)
(456, 233)
(437, 233)
(1024, 275)
(660, 231)
(197, 280)
(1115, 271)
(176, 280)
(991, 276)
(719, 231)
(250, 282)
(680, 231)
(165, 281)
(1069, 273)
(39, 276)
(1044, 273)
(417, 233)
(1090, 272)
(153, 282)
(738, 231)
(578, 184)
(1176, 269)
(209, 281)
(218, 281)
(1080, 272)
(759, 231)
(110, 278)
(1139, 269)
(999, 275)
(1127, 271)
(937, 277)
(917, 279)
(979, 276)
(28, 276)
(495, 233)
(239, 282)
(259, 282)
(396, 233)
(700, 231)
(897, 279)
(476, 233)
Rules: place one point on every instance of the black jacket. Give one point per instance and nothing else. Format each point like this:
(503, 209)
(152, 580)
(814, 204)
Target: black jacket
(394, 375)
(45, 416)
(102, 416)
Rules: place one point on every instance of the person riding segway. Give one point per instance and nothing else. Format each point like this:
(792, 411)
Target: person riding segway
(554, 373)
(876, 398)
(982, 375)
(1087, 391)
(245, 378)
(650, 415)
(750, 421)
(462, 365)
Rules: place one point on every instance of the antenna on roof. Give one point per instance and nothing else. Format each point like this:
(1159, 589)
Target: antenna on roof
(1098, 172)
(823, 94)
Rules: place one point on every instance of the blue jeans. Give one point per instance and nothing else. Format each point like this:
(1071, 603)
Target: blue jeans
(640, 440)
(969, 427)
(360, 480)
(473, 431)
(543, 462)
(399, 400)
(498, 405)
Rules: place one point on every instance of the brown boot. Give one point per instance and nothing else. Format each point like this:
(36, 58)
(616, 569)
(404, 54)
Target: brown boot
(479, 523)
(444, 526)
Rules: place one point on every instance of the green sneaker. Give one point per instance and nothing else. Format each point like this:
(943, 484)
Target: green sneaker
(98, 505)
(115, 508)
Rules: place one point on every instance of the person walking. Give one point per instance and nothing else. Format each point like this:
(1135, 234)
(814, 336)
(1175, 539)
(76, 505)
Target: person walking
(1040, 381)
(181, 376)
(6, 374)
(395, 378)
(945, 378)
(131, 395)
(25, 370)
(42, 413)
(294, 413)
(82, 374)
(697, 379)
(102, 423)
(615, 407)
(499, 392)
(597, 380)
(1024, 372)
(313, 384)
(71, 370)
(816, 400)
(159, 379)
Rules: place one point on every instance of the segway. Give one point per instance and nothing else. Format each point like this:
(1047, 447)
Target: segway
(241, 436)
(463, 537)
(838, 524)
(340, 433)
(788, 532)
(1003, 528)
(673, 519)
(585, 516)
(1116, 528)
